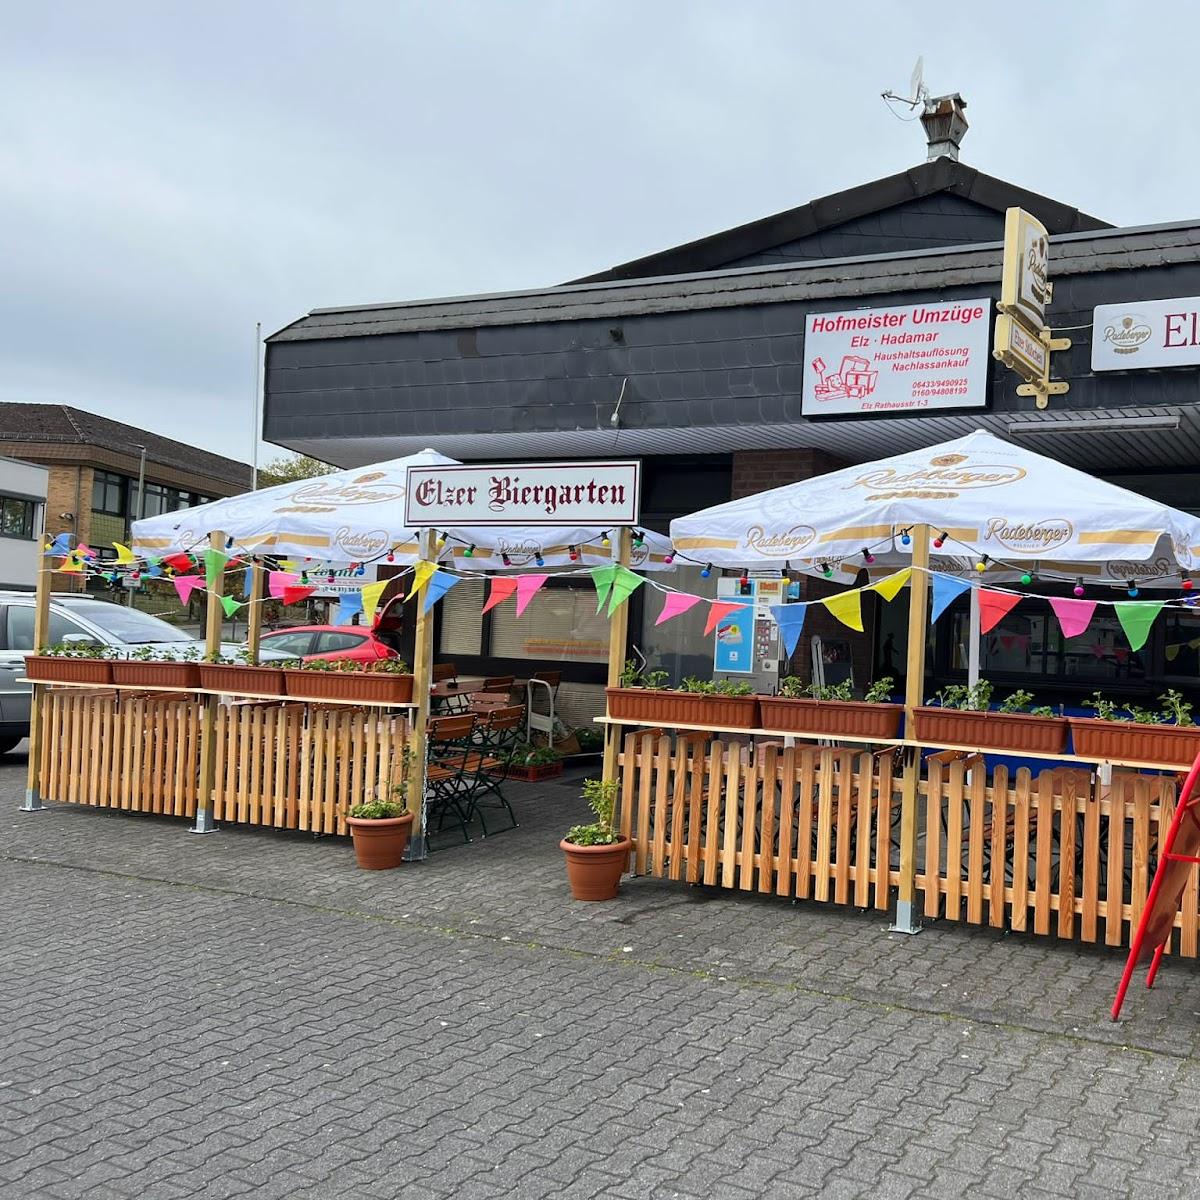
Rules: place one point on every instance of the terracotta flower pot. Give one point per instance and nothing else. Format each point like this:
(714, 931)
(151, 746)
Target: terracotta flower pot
(379, 844)
(1171, 745)
(67, 670)
(156, 674)
(594, 872)
(850, 718)
(652, 707)
(241, 681)
(991, 730)
(380, 687)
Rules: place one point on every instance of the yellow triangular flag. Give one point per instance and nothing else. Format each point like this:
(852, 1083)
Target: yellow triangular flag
(72, 565)
(847, 608)
(124, 555)
(370, 598)
(888, 587)
(421, 576)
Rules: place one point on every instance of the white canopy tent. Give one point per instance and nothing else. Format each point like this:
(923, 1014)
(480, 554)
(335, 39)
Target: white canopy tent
(523, 547)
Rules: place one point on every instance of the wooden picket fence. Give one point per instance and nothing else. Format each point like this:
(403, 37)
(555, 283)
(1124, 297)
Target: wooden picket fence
(287, 765)
(799, 821)
(1058, 854)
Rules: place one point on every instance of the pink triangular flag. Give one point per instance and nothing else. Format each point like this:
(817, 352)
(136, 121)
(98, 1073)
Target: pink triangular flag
(993, 606)
(185, 585)
(277, 581)
(1074, 616)
(717, 610)
(528, 587)
(676, 603)
(503, 586)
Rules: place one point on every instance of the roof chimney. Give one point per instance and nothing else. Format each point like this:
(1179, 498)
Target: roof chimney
(945, 125)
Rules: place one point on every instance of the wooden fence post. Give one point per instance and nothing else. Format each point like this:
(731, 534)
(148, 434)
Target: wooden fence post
(41, 626)
(422, 681)
(618, 638)
(208, 721)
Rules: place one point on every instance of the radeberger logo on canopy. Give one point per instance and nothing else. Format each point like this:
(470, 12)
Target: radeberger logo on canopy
(779, 545)
(1032, 536)
(361, 543)
(946, 476)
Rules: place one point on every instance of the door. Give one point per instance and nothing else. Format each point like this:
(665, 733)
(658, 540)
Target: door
(16, 627)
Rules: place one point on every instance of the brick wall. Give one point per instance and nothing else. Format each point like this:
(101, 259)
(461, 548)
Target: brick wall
(69, 490)
(760, 470)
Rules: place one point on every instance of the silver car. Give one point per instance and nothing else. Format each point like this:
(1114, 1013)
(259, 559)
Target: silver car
(80, 619)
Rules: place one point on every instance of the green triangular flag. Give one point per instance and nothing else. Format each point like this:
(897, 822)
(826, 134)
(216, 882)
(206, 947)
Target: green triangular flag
(1136, 617)
(214, 564)
(625, 583)
(602, 577)
(230, 605)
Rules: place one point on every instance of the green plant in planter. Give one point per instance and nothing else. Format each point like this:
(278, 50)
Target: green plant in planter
(379, 810)
(526, 755)
(1106, 710)
(733, 687)
(792, 687)
(1021, 701)
(601, 796)
(880, 692)
(975, 698)
(715, 687)
(589, 738)
(632, 677)
(1143, 716)
(144, 654)
(1176, 710)
(389, 666)
(87, 650)
(830, 691)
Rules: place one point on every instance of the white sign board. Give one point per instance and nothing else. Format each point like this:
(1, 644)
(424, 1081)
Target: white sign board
(602, 494)
(1146, 333)
(912, 358)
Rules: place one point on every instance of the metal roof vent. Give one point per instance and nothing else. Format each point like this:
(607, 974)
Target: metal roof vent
(945, 125)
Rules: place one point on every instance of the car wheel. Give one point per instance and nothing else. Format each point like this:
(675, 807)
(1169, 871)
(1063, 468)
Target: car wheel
(10, 743)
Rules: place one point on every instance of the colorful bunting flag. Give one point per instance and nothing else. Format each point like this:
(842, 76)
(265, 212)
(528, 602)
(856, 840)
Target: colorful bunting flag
(439, 585)
(422, 573)
(185, 585)
(231, 604)
(61, 545)
(279, 581)
(946, 589)
(124, 555)
(178, 562)
(371, 595)
(625, 583)
(502, 587)
(888, 587)
(154, 571)
(349, 603)
(296, 593)
(528, 586)
(1136, 617)
(214, 564)
(675, 603)
(1074, 616)
(718, 610)
(72, 564)
(847, 608)
(994, 606)
(790, 619)
(602, 577)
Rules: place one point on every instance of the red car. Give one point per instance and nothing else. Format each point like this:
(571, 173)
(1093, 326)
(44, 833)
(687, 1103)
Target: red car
(354, 642)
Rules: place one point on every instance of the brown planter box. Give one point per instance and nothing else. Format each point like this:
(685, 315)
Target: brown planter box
(1171, 745)
(535, 772)
(849, 718)
(682, 708)
(67, 670)
(376, 686)
(156, 674)
(241, 681)
(991, 730)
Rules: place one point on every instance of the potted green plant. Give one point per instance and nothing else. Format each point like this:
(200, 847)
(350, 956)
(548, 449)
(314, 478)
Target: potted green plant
(380, 828)
(596, 854)
(146, 667)
(75, 661)
(238, 676)
(533, 763)
(721, 703)
(387, 681)
(963, 717)
(1135, 734)
(830, 710)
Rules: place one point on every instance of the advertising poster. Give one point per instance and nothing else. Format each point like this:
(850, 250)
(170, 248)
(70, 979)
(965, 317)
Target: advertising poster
(908, 359)
(734, 644)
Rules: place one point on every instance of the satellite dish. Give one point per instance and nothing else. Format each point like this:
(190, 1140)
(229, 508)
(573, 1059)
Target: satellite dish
(916, 81)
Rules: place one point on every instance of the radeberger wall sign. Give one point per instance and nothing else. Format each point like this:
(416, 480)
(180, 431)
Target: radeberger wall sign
(1146, 333)
(605, 494)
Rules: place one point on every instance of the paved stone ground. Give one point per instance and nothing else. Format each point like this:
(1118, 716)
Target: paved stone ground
(249, 1015)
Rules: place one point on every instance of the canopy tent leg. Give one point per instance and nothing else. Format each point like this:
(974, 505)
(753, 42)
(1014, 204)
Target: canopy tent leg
(41, 626)
(618, 640)
(422, 682)
(213, 612)
(914, 687)
(254, 625)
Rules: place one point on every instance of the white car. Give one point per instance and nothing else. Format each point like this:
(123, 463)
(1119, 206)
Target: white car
(85, 621)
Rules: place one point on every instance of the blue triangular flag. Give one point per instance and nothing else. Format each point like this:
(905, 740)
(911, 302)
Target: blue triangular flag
(349, 603)
(946, 589)
(440, 582)
(790, 619)
(61, 546)
(248, 582)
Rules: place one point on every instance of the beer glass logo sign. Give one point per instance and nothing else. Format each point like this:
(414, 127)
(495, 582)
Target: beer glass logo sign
(1033, 537)
(1128, 335)
(785, 544)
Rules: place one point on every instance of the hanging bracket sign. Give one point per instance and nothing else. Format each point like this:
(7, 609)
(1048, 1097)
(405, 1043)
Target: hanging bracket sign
(606, 494)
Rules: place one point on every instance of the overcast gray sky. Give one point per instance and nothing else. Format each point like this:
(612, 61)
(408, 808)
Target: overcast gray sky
(172, 172)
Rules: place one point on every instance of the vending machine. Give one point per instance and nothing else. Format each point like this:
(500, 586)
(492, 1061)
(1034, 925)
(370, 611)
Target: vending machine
(746, 643)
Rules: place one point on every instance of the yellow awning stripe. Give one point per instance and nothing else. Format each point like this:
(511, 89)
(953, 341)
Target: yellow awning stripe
(1120, 537)
(706, 543)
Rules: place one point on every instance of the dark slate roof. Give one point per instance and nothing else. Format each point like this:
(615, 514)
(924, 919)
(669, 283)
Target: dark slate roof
(942, 175)
(62, 424)
(833, 280)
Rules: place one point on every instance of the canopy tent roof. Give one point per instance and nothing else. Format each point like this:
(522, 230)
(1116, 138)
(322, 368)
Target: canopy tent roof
(524, 546)
(984, 495)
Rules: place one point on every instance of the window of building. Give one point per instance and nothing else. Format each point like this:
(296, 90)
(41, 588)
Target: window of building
(561, 624)
(17, 517)
(155, 500)
(108, 493)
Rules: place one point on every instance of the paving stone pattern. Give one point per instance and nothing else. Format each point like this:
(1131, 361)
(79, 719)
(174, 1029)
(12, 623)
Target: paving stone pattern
(249, 1015)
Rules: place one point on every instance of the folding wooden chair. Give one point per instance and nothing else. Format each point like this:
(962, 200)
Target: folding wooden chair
(448, 780)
